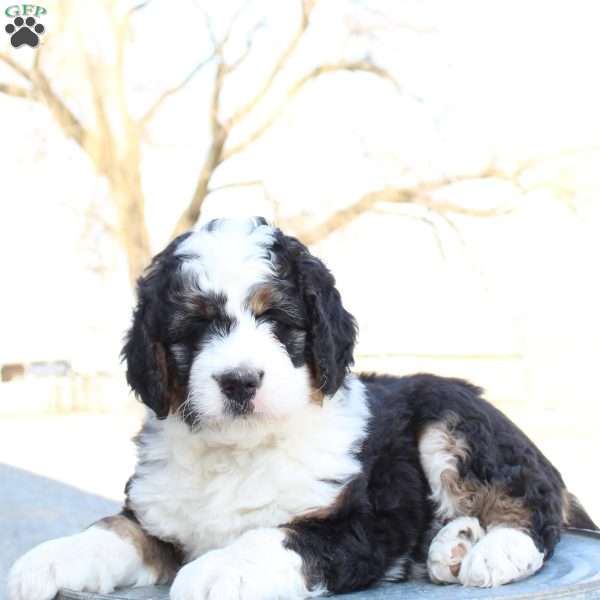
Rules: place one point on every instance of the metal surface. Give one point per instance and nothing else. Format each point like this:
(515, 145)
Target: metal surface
(573, 573)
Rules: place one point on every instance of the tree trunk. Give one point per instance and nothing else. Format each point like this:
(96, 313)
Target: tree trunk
(126, 187)
(135, 240)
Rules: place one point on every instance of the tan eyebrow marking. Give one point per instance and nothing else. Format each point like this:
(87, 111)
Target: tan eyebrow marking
(262, 298)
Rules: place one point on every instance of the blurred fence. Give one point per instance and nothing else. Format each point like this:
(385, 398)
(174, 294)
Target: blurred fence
(504, 377)
(65, 394)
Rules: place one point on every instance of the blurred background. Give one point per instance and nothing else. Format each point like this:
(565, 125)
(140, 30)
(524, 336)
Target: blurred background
(443, 158)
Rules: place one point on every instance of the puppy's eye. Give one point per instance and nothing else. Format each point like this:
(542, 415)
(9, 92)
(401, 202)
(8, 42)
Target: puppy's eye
(189, 329)
(281, 317)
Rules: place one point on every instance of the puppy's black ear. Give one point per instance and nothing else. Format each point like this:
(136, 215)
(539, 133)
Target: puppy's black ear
(144, 352)
(331, 329)
(146, 363)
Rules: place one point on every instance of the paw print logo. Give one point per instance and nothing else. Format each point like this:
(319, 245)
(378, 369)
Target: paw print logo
(24, 31)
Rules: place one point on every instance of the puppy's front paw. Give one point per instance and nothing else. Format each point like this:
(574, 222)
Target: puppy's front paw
(255, 567)
(221, 575)
(449, 547)
(39, 574)
(196, 580)
(94, 560)
(502, 556)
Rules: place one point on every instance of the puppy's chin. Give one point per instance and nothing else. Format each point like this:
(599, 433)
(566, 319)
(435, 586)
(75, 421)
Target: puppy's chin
(234, 430)
(197, 419)
(260, 412)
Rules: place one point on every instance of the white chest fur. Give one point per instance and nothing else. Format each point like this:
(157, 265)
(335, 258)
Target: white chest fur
(204, 489)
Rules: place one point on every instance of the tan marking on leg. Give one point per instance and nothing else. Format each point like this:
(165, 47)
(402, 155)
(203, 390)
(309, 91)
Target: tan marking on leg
(489, 503)
(493, 506)
(157, 555)
(442, 449)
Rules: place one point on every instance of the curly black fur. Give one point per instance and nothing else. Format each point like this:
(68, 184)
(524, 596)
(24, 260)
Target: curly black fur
(385, 513)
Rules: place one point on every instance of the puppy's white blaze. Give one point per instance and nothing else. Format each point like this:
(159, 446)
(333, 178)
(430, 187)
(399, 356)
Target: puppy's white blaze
(95, 560)
(204, 489)
(250, 345)
(256, 566)
(230, 258)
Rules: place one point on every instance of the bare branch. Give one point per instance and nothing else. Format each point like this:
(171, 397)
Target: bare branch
(209, 28)
(15, 66)
(155, 106)
(127, 137)
(232, 22)
(457, 209)
(231, 67)
(215, 105)
(213, 158)
(236, 184)
(360, 66)
(96, 86)
(139, 6)
(346, 215)
(41, 89)
(430, 223)
(10, 89)
(16, 91)
(69, 123)
(419, 194)
(37, 57)
(215, 155)
(307, 7)
(250, 37)
(219, 133)
(190, 215)
(218, 47)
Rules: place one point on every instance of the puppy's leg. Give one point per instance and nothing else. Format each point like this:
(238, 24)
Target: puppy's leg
(516, 508)
(113, 552)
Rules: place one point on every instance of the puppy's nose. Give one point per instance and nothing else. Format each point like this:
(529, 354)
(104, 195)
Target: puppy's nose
(240, 385)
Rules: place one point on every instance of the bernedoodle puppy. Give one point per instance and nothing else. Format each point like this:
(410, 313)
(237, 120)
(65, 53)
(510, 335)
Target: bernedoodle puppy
(267, 470)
